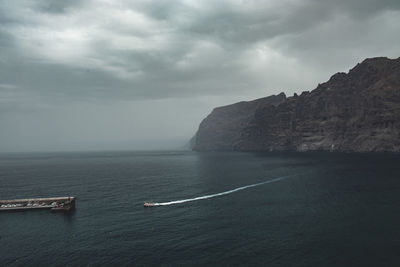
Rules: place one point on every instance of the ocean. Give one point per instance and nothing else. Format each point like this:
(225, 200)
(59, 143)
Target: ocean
(213, 209)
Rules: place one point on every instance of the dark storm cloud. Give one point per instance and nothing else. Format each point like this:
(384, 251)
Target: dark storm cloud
(157, 49)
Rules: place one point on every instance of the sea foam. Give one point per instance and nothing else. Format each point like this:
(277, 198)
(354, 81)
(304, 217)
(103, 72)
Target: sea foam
(222, 193)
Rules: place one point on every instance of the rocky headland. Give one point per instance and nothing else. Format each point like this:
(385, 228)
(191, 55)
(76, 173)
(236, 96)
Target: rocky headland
(358, 111)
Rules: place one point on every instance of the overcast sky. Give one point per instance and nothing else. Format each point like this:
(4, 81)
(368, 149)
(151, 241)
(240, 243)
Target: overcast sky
(109, 74)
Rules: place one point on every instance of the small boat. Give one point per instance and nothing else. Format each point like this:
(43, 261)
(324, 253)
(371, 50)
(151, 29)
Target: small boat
(149, 204)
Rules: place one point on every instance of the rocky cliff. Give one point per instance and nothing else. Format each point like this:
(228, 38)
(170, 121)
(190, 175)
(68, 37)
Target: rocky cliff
(357, 111)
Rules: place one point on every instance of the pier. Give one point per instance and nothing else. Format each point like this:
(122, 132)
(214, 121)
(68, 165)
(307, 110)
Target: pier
(54, 204)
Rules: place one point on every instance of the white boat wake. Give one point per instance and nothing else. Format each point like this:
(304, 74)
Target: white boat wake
(222, 193)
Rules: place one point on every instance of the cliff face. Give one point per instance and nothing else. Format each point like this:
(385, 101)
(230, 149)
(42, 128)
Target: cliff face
(223, 128)
(358, 111)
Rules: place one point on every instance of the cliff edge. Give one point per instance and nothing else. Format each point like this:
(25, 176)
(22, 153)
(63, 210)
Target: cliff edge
(358, 111)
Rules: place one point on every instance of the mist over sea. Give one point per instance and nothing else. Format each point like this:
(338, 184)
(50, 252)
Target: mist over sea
(273, 209)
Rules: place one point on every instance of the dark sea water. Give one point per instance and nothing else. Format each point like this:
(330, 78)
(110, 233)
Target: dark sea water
(328, 209)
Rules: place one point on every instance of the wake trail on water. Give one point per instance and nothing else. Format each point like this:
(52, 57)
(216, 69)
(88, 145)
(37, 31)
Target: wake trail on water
(222, 193)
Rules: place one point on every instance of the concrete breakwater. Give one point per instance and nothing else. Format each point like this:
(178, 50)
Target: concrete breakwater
(53, 203)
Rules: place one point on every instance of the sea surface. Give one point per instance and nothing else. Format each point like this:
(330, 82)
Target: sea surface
(245, 209)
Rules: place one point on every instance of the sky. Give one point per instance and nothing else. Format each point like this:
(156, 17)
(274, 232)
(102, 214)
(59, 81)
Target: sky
(79, 75)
